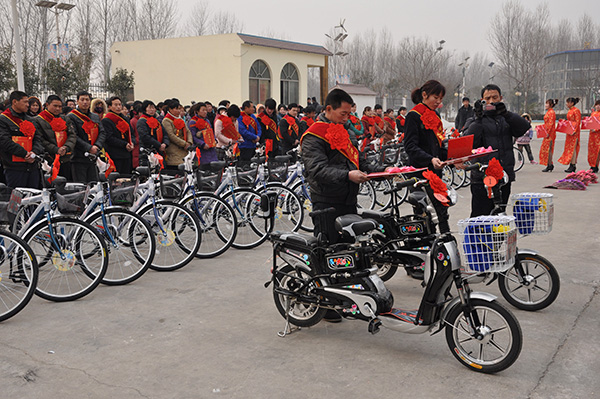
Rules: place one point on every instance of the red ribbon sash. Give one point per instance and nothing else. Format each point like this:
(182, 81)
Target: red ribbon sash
(207, 133)
(90, 127)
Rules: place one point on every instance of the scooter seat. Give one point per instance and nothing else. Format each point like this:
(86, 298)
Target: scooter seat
(296, 239)
(417, 199)
(354, 225)
(368, 214)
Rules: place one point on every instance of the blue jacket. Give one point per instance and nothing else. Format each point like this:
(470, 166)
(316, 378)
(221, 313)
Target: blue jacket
(248, 133)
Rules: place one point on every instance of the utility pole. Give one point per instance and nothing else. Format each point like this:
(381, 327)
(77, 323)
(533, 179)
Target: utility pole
(18, 54)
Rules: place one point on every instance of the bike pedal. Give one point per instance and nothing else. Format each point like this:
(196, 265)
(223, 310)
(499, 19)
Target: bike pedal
(374, 326)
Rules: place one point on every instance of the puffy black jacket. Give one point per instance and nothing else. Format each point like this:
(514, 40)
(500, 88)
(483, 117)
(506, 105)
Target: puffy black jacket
(462, 116)
(327, 172)
(498, 132)
(83, 144)
(8, 148)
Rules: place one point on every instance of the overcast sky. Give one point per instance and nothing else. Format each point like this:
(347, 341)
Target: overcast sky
(462, 23)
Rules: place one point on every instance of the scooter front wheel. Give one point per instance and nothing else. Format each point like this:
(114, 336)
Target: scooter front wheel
(531, 286)
(495, 343)
(289, 281)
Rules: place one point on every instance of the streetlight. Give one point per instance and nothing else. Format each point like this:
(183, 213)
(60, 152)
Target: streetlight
(491, 65)
(441, 46)
(54, 6)
(518, 94)
(464, 66)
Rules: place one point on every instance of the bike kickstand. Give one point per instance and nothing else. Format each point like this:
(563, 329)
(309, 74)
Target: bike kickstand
(288, 329)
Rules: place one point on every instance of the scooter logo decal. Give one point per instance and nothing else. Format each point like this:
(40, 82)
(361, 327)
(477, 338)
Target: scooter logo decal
(409, 229)
(340, 262)
(353, 310)
(440, 256)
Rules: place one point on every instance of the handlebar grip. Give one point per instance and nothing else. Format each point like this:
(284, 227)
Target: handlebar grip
(475, 166)
(399, 186)
(321, 212)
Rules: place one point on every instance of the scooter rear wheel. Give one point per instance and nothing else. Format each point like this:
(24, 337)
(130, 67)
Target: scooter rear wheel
(300, 314)
(497, 342)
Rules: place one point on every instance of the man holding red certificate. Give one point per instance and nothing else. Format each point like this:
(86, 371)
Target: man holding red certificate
(19, 143)
(119, 140)
(58, 137)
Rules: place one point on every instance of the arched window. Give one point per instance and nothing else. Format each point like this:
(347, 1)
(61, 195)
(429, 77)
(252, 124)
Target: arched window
(290, 85)
(260, 82)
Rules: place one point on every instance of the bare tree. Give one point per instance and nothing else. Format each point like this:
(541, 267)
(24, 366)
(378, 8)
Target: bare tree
(563, 37)
(157, 19)
(586, 32)
(225, 22)
(198, 23)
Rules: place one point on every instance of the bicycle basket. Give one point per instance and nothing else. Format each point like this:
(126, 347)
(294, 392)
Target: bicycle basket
(122, 191)
(6, 216)
(71, 204)
(171, 187)
(246, 178)
(277, 171)
(489, 243)
(207, 181)
(533, 212)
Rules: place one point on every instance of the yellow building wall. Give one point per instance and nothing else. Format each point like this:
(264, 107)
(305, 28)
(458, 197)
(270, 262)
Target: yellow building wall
(204, 68)
(190, 68)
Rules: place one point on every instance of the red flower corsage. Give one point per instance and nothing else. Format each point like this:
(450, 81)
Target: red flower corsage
(337, 136)
(227, 122)
(88, 126)
(430, 120)
(494, 169)
(58, 125)
(152, 123)
(440, 190)
(179, 124)
(27, 128)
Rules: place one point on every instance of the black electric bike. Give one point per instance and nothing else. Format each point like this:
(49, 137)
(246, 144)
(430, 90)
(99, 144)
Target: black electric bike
(311, 276)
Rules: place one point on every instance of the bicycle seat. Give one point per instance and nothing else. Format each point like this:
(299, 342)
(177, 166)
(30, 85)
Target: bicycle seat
(296, 239)
(114, 176)
(143, 170)
(59, 181)
(217, 166)
(282, 158)
(354, 225)
(258, 160)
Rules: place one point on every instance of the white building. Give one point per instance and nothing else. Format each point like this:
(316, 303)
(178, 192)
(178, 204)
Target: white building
(235, 66)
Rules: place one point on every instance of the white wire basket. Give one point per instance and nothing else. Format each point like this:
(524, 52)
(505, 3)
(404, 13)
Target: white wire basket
(533, 212)
(488, 243)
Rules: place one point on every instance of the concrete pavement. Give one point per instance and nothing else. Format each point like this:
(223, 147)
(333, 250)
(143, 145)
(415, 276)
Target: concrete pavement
(210, 329)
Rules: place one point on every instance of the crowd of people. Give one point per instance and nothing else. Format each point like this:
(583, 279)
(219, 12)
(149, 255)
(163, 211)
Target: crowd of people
(66, 132)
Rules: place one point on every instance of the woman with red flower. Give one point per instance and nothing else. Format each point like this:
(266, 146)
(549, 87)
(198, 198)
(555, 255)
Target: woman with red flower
(58, 137)
(202, 134)
(180, 137)
(424, 129)
(119, 142)
(151, 131)
(19, 143)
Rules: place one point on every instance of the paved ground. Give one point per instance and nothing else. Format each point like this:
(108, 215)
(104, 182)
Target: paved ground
(210, 330)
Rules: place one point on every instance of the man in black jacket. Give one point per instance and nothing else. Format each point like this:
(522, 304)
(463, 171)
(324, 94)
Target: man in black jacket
(496, 127)
(90, 138)
(333, 178)
(19, 143)
(119, 141)
(464, 113)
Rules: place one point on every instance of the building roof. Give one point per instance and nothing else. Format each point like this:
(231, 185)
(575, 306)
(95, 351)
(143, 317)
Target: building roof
(358, 90)
(573, 51)
(283, 44)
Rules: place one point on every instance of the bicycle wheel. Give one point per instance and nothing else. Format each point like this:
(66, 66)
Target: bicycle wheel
(496, 343)
(251, 230)
(303, 193)
(448, 175)
(366, 196)
(289, 210)
(129, 241)
(177, 233)
(217, 223)
(535, 289)
(74, 268)
(402, 194)
(22, 217)
(382, 200)
(18, 274)
(519, 159)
